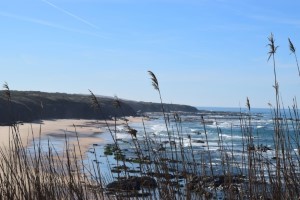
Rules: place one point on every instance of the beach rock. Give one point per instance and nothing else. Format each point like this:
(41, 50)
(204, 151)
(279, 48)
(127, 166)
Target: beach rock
(233, 189)
(263, 148)
(198, 188)
(161, 175)
(219, 181)
(216, 181)
(132, 183)
(133, 171)
(146, 181)
(116, 170)
(198, 141)
(123, 185)
(259, 148)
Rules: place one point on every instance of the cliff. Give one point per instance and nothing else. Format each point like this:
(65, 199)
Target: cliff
(28, 106)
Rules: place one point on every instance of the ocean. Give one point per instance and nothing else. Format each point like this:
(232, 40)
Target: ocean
(212, 142)
(222, 133)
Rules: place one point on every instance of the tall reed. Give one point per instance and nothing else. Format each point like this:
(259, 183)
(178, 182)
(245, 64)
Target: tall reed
(169, 167)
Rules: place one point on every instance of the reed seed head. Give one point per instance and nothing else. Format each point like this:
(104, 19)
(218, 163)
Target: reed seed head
(272, 46)
(95, 104)
(154, 80)
(117, 102)
(132, 132)
(292, 48)
(248, 104)
(7, 91)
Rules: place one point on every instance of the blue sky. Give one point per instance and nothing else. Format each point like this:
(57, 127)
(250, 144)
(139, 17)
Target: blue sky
(204, 52)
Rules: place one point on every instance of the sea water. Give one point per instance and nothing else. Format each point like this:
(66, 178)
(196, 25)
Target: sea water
(221, 131)
(208, 135)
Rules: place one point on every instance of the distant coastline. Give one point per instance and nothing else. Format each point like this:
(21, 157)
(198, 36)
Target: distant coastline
(27, 106)
(231, 109)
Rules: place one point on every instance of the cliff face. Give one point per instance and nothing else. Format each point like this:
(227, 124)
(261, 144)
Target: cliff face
(31, 105)
(156, 107)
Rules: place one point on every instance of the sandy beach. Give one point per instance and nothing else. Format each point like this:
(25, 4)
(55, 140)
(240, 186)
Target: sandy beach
(86, 130)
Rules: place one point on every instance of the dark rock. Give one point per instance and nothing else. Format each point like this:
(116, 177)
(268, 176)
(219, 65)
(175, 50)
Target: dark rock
(116, 170)
(132, 183)
(234, 189)
(146, 181)
(198, 188)
(133, 171)
(198, 141)
(216, 181)
(219, 181)
(123, 185)
(263, 148)
(161, 175)
(133, 194)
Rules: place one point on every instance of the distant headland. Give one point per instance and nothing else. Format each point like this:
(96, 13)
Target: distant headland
(27, 106)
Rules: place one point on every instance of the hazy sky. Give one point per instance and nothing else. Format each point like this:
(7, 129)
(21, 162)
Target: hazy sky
(204, 52)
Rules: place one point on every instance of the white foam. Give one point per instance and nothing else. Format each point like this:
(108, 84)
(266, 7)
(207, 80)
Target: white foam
(225, 136)
(158, 128)
(123, 136)
(194, 130)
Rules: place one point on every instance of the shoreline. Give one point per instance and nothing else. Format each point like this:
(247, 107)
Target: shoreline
(87, 131)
